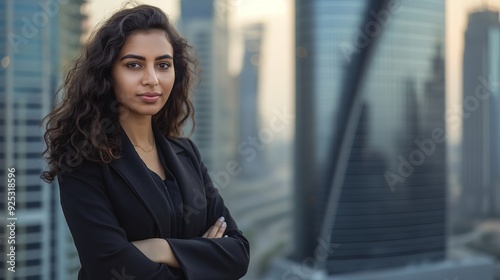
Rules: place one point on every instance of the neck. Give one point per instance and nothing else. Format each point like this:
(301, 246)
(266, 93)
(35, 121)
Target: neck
(139, 131)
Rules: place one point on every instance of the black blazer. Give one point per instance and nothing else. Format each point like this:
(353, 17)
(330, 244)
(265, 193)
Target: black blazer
(107, 206)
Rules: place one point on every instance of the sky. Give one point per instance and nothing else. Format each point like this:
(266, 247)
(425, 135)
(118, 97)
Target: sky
(98, 11)
(456, 24)
(278, 14)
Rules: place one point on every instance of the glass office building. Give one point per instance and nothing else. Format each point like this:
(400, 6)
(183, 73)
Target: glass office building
(197, 27)
(480, 155)
(204, 25)
(31, 44)
(391, 209)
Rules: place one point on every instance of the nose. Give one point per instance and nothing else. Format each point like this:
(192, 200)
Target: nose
(150, 78)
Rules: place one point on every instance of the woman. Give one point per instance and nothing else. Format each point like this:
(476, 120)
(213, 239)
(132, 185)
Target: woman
(136, 196)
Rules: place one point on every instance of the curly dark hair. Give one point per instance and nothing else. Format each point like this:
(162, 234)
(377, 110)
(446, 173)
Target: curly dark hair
(84, 125)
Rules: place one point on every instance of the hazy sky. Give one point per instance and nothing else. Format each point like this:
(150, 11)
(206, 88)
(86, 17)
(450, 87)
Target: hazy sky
(98, 11)
(456, 24)
(278, 42)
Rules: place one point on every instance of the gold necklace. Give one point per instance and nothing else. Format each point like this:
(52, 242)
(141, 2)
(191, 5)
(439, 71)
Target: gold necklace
(146, 151)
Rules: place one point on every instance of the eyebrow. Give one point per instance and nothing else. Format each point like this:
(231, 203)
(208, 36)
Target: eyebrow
(134, 56)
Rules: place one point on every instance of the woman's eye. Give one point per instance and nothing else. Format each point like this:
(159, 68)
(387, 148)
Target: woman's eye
(163, 65)
(133, 65)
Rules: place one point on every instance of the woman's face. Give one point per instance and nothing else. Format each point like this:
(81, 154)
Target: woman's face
(143, 74)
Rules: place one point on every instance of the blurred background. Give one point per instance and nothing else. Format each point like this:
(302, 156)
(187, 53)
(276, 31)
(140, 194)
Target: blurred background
(351, 139)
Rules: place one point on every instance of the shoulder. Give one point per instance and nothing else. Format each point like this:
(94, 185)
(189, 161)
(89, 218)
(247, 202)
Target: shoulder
(87, 173)
(80, 166)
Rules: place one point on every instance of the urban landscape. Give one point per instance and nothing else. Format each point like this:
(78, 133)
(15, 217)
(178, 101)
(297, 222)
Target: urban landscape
(350, 139)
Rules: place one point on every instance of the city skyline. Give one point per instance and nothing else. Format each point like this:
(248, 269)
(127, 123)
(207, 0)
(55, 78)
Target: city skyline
(35, 49)
(379, 216)
(281, 11)
(255, 41)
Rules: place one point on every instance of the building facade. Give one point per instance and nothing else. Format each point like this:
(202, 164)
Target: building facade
(33, 46)
(204, 25)
(390, 210)
(481, 104)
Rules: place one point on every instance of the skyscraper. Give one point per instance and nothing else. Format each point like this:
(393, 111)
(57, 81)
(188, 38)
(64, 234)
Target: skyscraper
(197, 27)
(481, 101)
(204, 24)
(260, 197)
(389, 210)
(249, 117)
(32, 39)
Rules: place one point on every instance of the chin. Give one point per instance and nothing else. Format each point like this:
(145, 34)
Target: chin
(151, 112)
(151, 109)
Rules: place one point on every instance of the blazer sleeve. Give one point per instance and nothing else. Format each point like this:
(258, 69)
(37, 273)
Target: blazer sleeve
(102, 245)
(220, 258)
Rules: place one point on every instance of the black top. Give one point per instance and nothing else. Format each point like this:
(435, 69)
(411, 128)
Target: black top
(170, 190)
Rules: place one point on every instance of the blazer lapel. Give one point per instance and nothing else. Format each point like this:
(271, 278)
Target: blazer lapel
(189, 183)
(131, 167)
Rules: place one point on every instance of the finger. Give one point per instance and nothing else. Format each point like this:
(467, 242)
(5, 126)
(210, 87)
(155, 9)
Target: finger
(206, 233)
(215, 229)
(221, 230)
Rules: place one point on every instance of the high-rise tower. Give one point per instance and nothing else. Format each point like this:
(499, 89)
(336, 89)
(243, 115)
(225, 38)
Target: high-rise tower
(366, 74)
(204, 24)
(481, 101)
(35, 38)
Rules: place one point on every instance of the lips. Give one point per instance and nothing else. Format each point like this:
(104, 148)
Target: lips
(149, 97)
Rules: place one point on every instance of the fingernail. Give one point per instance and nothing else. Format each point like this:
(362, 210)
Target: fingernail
(221, 219)
(224, 224)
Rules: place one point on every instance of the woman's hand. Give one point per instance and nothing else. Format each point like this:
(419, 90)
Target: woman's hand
(217, 230)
